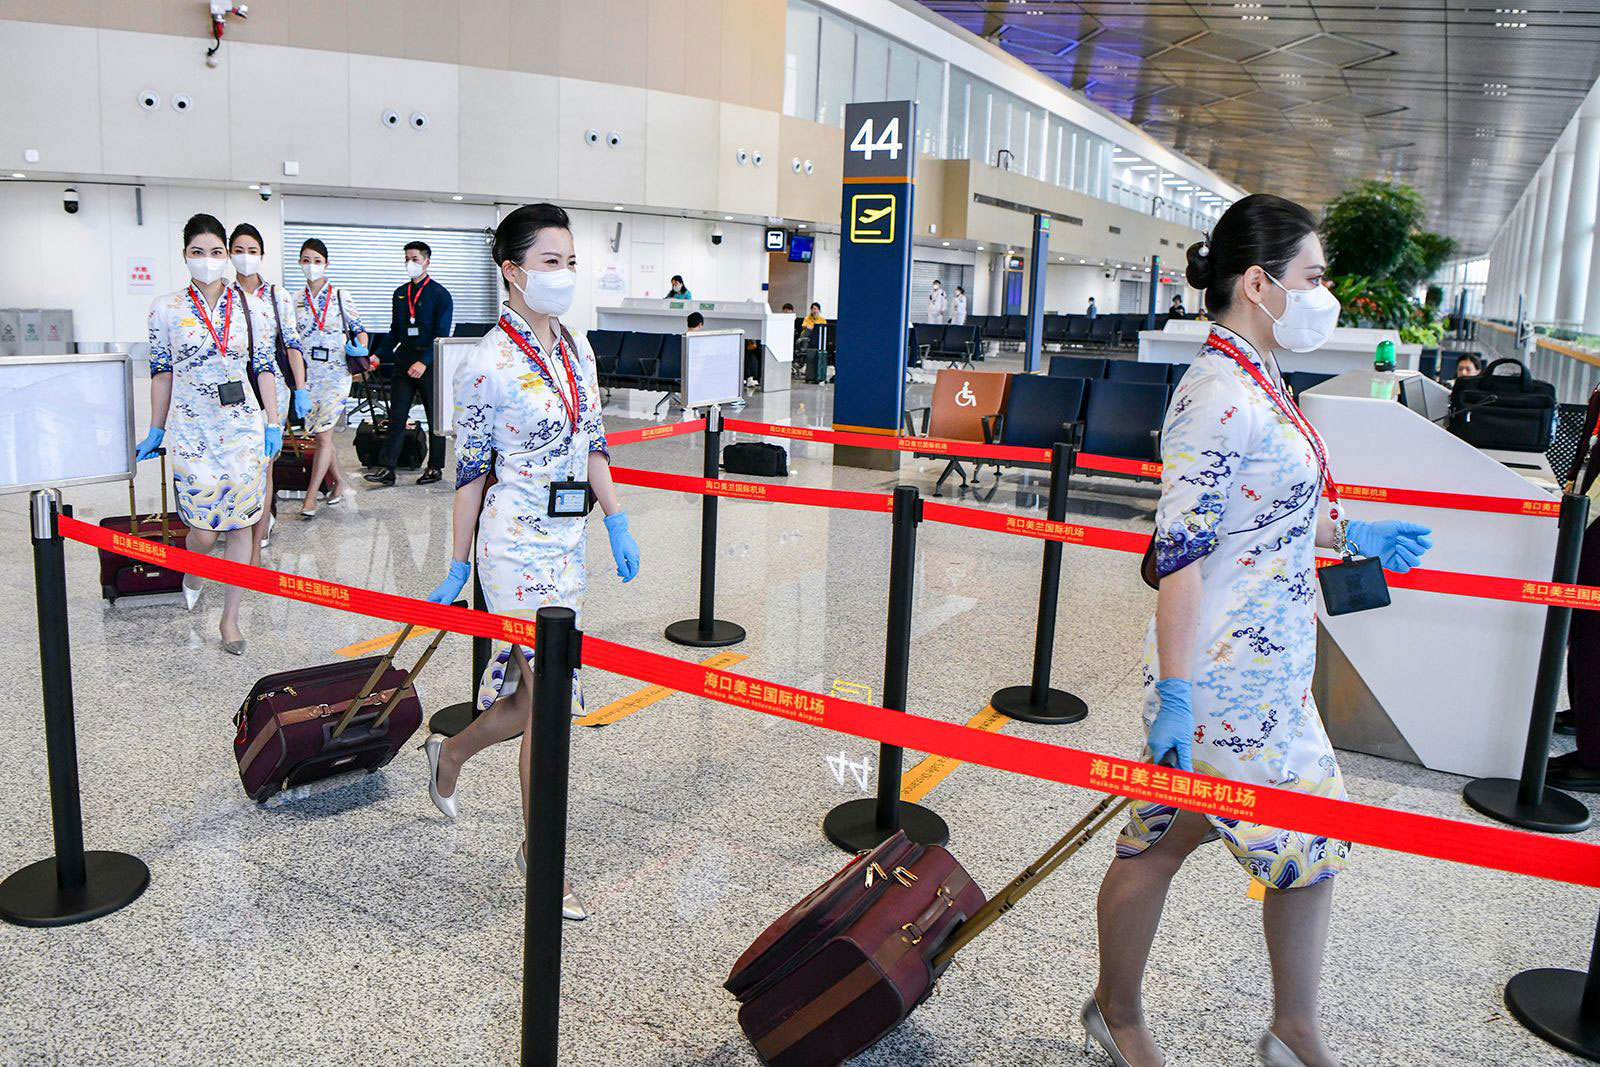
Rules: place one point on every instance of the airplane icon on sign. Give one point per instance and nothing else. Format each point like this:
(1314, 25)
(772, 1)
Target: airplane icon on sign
(872, 218)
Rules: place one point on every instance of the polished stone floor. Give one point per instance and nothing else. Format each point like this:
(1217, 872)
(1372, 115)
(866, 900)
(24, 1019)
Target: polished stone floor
(354, 925)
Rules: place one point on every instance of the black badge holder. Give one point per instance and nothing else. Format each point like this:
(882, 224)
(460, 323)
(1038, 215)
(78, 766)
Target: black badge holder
(1353, 585)
(571, 499)
(230, 393)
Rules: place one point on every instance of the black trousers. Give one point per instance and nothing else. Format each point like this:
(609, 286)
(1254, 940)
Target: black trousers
(405, 391)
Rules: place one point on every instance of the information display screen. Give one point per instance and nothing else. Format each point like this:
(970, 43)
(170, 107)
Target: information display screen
(65, 420)
(800, 248)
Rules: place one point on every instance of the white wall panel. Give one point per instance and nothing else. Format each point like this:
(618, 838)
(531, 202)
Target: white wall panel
(192, 144)
(597, 173)
(680, 168)
(400, 157)
(289, 104)
(509, 134)
(32, 73)
(744, 188)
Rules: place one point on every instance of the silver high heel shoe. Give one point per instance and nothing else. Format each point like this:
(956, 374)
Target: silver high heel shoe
(233, 648)
(446, 804)
(1095, 1029)
(1274, 1053)
(192, 588)
(571, 907)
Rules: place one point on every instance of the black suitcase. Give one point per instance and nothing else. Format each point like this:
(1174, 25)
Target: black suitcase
(761, 460)
(371, 435)
(1508, 412)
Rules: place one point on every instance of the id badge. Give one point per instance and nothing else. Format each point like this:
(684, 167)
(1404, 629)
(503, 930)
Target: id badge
(570, 500)
(412, 331)
(230, 393)
(319, 353)
(1353, 585)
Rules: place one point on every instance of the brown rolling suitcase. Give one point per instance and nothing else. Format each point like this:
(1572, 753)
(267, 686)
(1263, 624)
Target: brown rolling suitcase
(121, 575)
(291, 471)
(304, 725)
(847, 964)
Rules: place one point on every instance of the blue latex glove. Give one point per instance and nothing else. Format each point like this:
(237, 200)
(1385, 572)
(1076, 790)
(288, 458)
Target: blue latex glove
(624, 549)
(147, 448)
(1398, 545)
(302, 403)
(274, 443)
(354, 350)
(1173, 730)
(447, 591)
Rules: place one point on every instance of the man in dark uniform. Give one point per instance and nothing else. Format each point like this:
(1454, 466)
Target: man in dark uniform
(422, 312)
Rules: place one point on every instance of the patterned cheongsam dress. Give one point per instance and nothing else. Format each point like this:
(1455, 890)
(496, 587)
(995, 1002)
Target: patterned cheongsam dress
(508, 413)
(323, 331)
(268, 294)
(1240, 497)
(217, 451)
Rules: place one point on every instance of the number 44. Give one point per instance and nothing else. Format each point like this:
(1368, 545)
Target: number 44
(887, 141)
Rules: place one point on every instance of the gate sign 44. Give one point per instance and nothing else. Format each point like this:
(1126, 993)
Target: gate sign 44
(887, 141)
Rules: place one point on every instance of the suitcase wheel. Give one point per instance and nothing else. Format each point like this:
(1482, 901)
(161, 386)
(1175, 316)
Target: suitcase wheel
(109, 592)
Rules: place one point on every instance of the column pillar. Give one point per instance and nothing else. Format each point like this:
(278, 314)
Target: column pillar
(1535, 253)
(1555, 224)
(1578, 237)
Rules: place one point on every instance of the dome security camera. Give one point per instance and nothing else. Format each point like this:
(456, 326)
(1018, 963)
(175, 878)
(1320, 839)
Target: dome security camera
(149, 99)
(613, 138)
(757, 158)
(69, 200)
(391, 118)
(591, 137)
(266, 192)
(716, 235)
(794, 164)
(419, 121)
(181, 102)
(742, 157)
(810, 167)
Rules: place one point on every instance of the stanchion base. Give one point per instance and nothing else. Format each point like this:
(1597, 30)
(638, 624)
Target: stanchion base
(1557, 813)
(1016, 701)
(853, 825)
(32, 897)
(722, 633)
(451, 720)
(1549, 1002)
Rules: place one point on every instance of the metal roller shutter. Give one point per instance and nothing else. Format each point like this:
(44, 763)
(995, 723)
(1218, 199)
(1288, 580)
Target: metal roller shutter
(950, 275)
(368, 261)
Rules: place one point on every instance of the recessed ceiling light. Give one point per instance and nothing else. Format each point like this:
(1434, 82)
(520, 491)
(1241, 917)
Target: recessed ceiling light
(802, 225)
(1124, 159)
(456, 197)
(616, 207)
(1144, 167)
(727, 218)
(1083, 261)
(945, 243)
(1061, 259)
(247, 187)
(980, 248)
(1511, 25)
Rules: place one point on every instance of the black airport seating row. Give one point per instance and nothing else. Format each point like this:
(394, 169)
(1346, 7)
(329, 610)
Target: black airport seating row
(948, 342)
(1119, 418)
(1106, 330)
(1128, 370)
(630, 359)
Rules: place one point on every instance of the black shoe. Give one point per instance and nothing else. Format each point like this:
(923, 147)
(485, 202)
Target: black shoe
(382, 476)
(429, 476)
(1566, 724)
(1568, 772)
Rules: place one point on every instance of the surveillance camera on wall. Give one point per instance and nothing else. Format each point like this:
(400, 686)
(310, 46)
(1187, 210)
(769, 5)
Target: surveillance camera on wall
(69, 201)
(181, 102)
(591, 137)
(613, 138)
(149, 99)
(419, 121)
(716, 235)
(391, 118)
(266, 192)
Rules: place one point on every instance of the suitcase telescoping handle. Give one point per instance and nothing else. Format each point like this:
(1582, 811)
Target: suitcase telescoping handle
(134, 525)
(1036, 872)
(377, 675)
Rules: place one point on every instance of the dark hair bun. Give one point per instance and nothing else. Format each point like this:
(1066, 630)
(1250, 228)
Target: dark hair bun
(1201, 270)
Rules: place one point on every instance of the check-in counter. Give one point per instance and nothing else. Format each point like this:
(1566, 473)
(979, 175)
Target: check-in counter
(774, 330)
(1350, 348)
(1441, 680)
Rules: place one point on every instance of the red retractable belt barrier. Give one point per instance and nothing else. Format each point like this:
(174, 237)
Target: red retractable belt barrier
(1494, 847)
(1071, 533)
(891, 443)
(656, 433)
(775, 494)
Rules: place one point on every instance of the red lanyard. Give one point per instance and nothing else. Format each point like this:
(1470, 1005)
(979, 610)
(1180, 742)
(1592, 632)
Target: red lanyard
(311, 302)
(411, 300)
(1289, 408)
(574, 407)
(227, 317)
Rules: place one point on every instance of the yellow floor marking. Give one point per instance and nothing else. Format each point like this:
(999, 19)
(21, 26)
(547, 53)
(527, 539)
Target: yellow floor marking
(378, 644)
(620, 709)
(919, 781)
(1257, 891)
(851, 691)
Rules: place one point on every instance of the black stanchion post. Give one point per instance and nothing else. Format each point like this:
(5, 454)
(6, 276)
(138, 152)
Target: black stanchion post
(73, 886)
(451, 720)
(857, 825)
(557, 652)
(1038, 702)
(1527, 802)
(1561, 1006)
(708, 631)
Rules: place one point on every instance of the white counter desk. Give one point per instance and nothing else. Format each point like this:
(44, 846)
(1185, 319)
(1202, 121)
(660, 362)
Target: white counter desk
(1444, 681)
(775, 330)
(1348, 349)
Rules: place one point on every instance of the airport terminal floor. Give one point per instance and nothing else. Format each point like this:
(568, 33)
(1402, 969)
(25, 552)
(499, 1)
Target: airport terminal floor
(353, 921)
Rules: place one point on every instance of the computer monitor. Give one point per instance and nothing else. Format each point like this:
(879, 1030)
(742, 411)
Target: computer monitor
(800, 248)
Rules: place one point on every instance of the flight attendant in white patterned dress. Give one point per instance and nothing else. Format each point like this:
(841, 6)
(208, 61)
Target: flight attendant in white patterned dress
(1230, 654)
(326, 316)
(203, 408)
(528, 405)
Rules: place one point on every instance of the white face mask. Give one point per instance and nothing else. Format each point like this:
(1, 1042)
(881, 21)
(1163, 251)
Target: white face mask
(1308, 319)
(313, 271)
(548, 292)
(414, 269)
(246, 263)
(206, 269)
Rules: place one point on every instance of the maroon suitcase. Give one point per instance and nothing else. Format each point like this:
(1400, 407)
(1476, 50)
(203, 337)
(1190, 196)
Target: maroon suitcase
(847, 964)
(291, 471)
(304, 725)
(121, 575)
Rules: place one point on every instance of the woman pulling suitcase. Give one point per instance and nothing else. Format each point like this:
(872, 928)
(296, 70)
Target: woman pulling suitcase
(326, 317)
(205, 342)
(529, 407)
